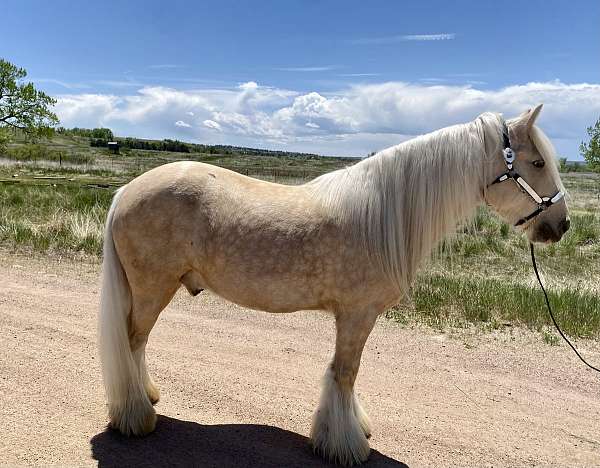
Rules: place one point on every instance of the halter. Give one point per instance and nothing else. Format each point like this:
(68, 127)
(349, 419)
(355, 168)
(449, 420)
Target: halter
(543, 203)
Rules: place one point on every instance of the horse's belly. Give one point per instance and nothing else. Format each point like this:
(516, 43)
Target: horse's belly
(270, 293)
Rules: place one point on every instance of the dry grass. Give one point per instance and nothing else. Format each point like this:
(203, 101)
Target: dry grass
(65, 218)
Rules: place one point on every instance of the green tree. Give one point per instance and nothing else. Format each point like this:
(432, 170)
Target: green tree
(563, 166)
(22, 106)
(102, 133)
(591, 150)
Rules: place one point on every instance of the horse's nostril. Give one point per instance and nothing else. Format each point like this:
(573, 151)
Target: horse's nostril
(565, 225)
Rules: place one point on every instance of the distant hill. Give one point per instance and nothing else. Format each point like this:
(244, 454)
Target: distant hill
(87, 150)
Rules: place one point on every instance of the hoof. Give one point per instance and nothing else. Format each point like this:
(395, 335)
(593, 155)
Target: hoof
(345, 444)
(137, 419)
(345, 455)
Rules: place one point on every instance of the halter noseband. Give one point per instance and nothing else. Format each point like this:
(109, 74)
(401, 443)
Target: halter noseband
(543, 203)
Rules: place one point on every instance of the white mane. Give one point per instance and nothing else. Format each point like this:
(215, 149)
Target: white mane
(403, 200)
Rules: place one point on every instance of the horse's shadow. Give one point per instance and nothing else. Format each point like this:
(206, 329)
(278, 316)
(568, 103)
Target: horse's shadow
(185, 443)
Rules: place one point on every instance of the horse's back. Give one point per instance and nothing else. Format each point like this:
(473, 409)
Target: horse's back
(196, 195)
(204, 184)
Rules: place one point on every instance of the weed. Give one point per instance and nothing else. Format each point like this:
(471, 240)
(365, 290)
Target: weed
(550, 338)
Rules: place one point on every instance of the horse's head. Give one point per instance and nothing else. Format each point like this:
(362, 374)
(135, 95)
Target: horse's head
(524, 186)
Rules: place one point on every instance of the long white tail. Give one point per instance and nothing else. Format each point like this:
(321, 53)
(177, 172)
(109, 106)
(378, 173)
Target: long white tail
(129, 407)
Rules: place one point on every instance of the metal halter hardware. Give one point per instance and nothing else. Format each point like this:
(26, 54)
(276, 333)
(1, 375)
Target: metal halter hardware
(509, 158)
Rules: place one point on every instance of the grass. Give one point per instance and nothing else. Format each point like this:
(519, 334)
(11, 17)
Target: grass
(37, 152)
(442, 300)
(63, 218)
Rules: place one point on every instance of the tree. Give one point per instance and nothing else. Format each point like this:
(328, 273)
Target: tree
(103, 133)
(22, 106)
(591, 150)
(563, 165)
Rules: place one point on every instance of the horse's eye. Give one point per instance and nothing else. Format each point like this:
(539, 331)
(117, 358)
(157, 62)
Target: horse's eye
(539, 163)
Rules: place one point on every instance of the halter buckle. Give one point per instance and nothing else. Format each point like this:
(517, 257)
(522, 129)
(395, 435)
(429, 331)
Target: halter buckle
(509, 155)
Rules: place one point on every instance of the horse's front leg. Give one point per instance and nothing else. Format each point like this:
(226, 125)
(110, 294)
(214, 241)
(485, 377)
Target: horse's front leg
(340, 427)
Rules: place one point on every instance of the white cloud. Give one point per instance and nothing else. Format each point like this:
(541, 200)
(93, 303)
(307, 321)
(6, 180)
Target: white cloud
(429, 37)
(64, 84)
(250, 85)
(356, 120)
(211, 124)
(359, 74)
(86, 110)
(119, 83)
(403, 38)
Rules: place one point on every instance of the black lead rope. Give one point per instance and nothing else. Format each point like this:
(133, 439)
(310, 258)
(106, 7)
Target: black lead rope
(552, 315)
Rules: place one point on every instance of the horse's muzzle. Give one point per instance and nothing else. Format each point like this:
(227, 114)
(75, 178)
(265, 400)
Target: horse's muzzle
(546, 232)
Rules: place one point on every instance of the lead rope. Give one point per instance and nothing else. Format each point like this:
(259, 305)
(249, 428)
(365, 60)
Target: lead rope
(552, 315)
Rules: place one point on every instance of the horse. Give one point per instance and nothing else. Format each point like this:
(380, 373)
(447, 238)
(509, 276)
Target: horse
(348, 242)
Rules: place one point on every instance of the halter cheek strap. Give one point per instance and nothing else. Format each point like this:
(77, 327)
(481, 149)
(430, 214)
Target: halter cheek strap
(509, 158)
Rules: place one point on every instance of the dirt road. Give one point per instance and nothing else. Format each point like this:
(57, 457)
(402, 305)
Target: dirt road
(239, 387)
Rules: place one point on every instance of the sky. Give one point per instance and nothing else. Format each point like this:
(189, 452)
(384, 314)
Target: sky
(333, 77)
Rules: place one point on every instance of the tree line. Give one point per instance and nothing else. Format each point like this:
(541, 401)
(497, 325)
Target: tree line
(104, 134)
(99, 137)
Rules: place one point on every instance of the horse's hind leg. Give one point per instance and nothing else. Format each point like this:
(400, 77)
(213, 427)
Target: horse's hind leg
(150, 387)
(340, 426)
(147, 304)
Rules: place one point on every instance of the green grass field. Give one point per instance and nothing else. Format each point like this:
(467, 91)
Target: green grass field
(54, 198)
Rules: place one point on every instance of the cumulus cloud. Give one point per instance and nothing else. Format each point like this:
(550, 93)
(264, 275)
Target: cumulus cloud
(250, 85)
(211, 124)
(356, 119)
(86, 110)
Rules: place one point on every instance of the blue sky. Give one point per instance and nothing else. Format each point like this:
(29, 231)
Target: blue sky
(331, 77)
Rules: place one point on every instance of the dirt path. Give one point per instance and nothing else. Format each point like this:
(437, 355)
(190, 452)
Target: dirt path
(239, 387)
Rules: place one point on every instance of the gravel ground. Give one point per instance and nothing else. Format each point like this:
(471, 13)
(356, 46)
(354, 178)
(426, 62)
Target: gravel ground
(239, 386)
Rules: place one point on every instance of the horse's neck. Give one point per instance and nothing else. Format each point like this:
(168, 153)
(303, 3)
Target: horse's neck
(420, 191)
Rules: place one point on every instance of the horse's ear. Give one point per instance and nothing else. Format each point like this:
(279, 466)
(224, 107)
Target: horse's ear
(530, 116)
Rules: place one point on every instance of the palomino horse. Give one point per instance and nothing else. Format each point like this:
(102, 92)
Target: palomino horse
(348, 242)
